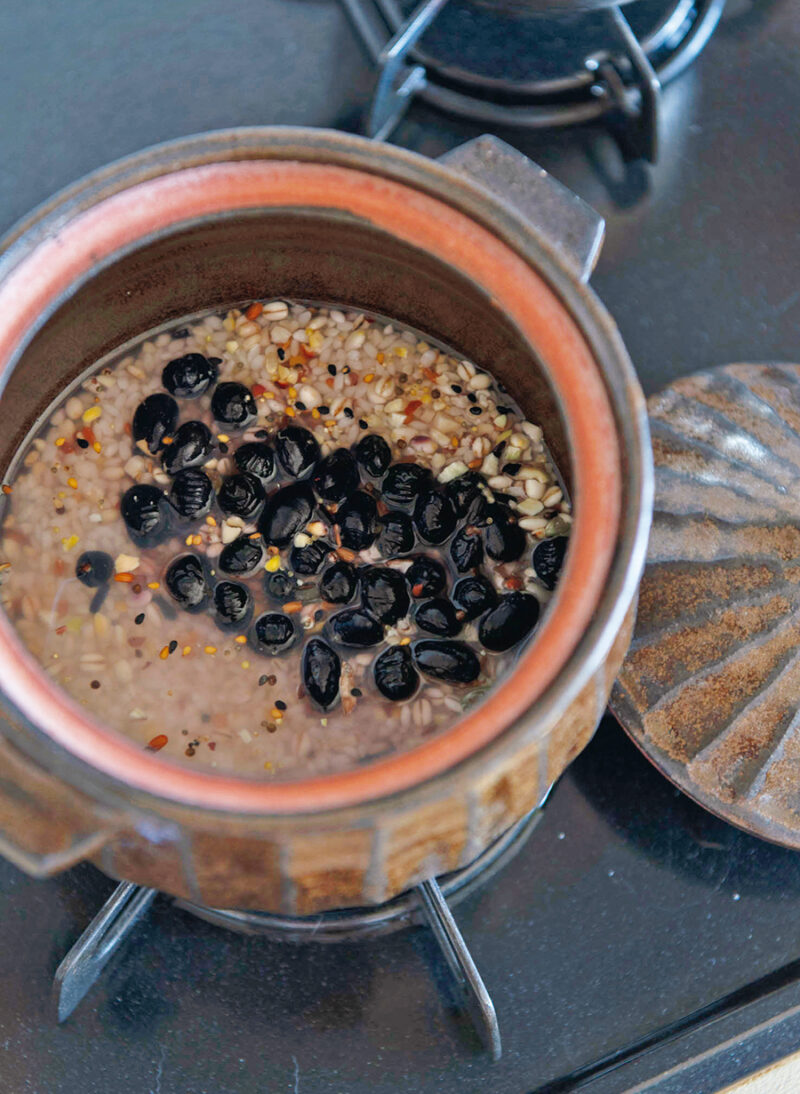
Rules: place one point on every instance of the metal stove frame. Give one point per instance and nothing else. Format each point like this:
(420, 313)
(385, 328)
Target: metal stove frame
(621, 87)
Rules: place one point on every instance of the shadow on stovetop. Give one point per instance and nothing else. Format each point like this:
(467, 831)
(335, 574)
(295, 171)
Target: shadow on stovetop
(664, 825)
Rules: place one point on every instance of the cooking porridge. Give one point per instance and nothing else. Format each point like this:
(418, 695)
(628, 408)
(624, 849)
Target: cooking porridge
(281, 541)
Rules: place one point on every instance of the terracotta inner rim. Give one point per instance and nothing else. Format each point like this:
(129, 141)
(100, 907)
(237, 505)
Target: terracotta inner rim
(163, 204)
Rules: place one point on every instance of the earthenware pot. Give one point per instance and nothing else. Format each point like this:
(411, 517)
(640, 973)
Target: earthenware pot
(249, 213)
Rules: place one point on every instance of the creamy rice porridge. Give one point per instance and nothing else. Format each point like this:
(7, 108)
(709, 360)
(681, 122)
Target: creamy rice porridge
(281, 541)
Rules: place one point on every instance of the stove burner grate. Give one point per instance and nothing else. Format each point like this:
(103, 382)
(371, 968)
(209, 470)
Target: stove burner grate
(506, 65)
(427, 904)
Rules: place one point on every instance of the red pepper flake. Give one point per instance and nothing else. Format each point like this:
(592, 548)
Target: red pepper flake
(60, 630)
(125, 578)
(157, 743)
(6, 488)
(429, 374)
(254, 311)
(411, 409)
(307, 351)
(258, 390)
(59, 567)
(418, 589)
(513, 582)
(127, 428)
(212, 745)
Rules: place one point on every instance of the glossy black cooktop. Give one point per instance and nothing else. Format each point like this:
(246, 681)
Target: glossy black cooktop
(629, 908)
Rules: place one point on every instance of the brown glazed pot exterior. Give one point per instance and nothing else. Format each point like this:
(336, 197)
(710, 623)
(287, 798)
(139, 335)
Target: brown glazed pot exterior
(214, 220)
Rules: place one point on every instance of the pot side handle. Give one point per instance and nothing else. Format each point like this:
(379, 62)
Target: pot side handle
(46, 826)
(568, 224)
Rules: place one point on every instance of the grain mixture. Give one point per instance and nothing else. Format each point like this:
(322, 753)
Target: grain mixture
(281, 541)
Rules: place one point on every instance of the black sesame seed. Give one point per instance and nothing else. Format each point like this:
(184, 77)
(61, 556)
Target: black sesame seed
(318, 614)
(503, 409)
(300, 406)
(362, 424)
(499, 449)
(476, 410)
(511, 469)
(261, 681)
(139, 618)
(280, 705)
(281, 354)
(95, 684)
(214, 360)
(82, 443)
(182, 333)
(348, 412)
(261, 434)
(356, 693)
(457, 388)
(436, 394)
(173, 646)
(223, 448)
(473, 398)
(332, 369)
(324, 410)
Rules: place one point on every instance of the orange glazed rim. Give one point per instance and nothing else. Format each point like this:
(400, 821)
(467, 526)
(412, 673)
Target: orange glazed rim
(59, 260)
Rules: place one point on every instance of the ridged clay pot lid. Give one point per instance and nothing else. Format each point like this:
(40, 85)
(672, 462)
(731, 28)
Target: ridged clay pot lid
(710, 689)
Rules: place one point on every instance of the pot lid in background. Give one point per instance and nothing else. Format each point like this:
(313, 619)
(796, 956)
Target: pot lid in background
(710, 689)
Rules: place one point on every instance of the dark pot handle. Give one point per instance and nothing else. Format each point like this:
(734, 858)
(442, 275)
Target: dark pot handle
(571, 227)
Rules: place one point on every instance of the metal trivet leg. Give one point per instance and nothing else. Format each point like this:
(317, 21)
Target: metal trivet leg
(398, 81)
(102, 938)
(471, 988)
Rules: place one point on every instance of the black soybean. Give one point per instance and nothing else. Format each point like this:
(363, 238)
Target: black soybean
(357, 518)
(473, 596)
(297, 450)
(338, 583)
(233, 405)
(273, 633)
(191, 445)
(403, 482)
(189, 376)
(257, 458)
(438, 616)
(192, 494)
(145, 512)
(241, 495)
(322, 669)
(503, 538)
(186, 583)
(511, 620)
(426, 577)
(336, 476)
(396, 535)
(355, 627)
(242, 557)
(233, 604)
(434, 516)
(155, 418)
(466, 550)
(374, 454)
(94, 568)
(449, 661)
(384, 592)
(309, 559)
(548, 558)
(286, 513)
(395, 675)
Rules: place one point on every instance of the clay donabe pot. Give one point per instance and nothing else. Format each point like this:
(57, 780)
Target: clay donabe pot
(225, 217)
